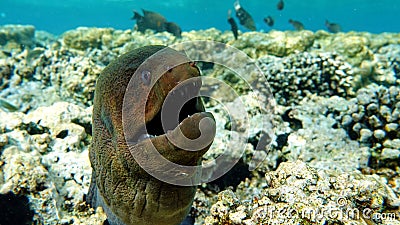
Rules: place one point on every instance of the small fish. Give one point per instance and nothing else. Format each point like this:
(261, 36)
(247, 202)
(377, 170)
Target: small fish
(6, 53)
(333, 27)
(174, 29)
(234, 26)
(269, 21)
(280, 5)
(34, 53)
(4, 104)
(244, 17)
(296, 24)
(149, 20)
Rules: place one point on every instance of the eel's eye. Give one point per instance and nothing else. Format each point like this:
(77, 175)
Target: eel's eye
(146, 77)
(169, 68)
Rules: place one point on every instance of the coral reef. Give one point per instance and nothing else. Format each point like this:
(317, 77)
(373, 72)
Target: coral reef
(373, 119)
(354, 46)
(84, 38)
(300, 74)
(334, 131)
(49, 75)
(314, 138)
(386, 68)
(275, 43)
(298, 194)
(44, 157)
(13, 36)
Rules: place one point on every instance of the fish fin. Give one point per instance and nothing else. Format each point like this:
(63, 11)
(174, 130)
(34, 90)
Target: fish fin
(145, 12)
(136, 16)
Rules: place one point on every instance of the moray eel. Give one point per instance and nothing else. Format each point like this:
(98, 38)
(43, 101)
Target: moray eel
(128, 194)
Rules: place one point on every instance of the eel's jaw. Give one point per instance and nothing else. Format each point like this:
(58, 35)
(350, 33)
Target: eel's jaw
(181, 124)
(155, 128)
(158, 127)
(184, 145)
(179, 103)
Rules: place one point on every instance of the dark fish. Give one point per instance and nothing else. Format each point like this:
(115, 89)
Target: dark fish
(244, 17)
(174, 29)
(296, 24)
(136, 16)
(6, 53)
(140, 21)
(7, 106)
(280, 5)
(149, 20)
(234, 26)
(269, 21)
(333, 27)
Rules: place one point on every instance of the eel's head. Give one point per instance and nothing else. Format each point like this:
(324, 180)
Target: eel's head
(163, 94)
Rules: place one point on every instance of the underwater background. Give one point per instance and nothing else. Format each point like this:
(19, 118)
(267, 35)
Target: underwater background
(307, 117)
(59, 16)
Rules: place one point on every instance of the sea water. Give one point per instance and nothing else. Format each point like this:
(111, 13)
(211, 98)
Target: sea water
(56, 16)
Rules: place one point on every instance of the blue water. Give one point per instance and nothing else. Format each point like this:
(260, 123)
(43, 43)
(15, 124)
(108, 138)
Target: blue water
(57, 16)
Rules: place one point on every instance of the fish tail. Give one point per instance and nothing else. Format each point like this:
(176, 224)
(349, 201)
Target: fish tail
(236, 5)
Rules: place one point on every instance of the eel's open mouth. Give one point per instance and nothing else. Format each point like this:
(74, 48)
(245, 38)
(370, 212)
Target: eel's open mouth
(182, 102)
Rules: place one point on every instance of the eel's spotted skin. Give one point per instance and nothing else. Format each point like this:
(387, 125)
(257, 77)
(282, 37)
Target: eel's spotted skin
(128, 194)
